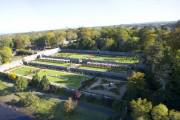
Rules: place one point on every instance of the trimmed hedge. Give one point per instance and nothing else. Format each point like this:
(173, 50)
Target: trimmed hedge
(25, 52)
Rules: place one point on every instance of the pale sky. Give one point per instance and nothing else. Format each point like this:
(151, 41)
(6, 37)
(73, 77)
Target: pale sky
(34, 15)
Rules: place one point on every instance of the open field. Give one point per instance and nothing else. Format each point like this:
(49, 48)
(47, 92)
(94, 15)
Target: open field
(64, 79)
(119, 59)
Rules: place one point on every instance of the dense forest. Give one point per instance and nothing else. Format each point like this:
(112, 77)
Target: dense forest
(152, 95)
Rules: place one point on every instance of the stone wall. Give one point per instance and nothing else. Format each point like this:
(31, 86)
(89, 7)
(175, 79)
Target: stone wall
(102, 52)
(113, 75)
(29, 58)
(138, 66)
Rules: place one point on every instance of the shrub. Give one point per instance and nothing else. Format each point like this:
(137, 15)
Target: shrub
(159, 112)
(28, 99)
(35, 80)
(69, 106)
(24, 52)
(44, 83)
(174, 115)
(21, 84)
(140, 109)
(12, 76)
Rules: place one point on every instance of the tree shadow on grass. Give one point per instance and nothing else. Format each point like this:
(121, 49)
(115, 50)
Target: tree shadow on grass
(6, 91)
(55, 113)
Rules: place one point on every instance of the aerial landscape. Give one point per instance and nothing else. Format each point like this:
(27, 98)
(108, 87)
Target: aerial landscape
(89, 60)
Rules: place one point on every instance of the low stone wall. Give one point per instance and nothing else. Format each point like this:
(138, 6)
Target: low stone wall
(101, 52)
(138, 66)
(113, 75)
(8, 66)
(27, 59)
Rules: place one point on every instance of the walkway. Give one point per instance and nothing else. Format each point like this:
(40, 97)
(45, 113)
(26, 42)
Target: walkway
(7, 113)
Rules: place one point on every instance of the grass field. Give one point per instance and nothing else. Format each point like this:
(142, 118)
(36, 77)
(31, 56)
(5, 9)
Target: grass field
(64, 79)
(119, 59)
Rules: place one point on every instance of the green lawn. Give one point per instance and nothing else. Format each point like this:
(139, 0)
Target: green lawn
(24, 70)
(5, 89)
(50, 107)
(102, 69)
(93, 68)
(64, 79)
(119, 59)
(52, 63)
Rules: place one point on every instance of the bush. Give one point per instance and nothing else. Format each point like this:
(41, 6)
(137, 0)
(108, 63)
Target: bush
(28, 99)
(35, 80)
(12, 76)
(44, 83)
(69, 106)
(25, 52)
(21, 84)
(160, 112)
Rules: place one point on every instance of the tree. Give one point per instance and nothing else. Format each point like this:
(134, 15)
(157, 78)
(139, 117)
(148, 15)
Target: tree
(60, 38)
(44, 83)
(136, 85)
(69, 106)
(51, 38)
(6, 54)
(6, 41)
(71, 35)
(108, 44)
(140, 109)
(174, 115)
(35, 80)
(21, 41)
(160, 112)
(21, 84)
(41, 42)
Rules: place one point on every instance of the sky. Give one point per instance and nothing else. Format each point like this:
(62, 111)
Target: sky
(34, 15)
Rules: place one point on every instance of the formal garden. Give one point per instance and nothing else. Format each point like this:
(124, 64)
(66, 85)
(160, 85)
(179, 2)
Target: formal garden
(105, 58)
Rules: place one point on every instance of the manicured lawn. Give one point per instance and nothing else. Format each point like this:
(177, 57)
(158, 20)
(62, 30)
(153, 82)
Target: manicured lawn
(119, 59)
(5, 89)
(64, 79)
(52, 63)
(102, 69)
(46, 107)
(24, 70)
(93, 68)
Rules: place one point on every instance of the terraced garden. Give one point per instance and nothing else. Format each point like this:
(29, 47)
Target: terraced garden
(80, 66)
(64, 79)
(107, 58)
